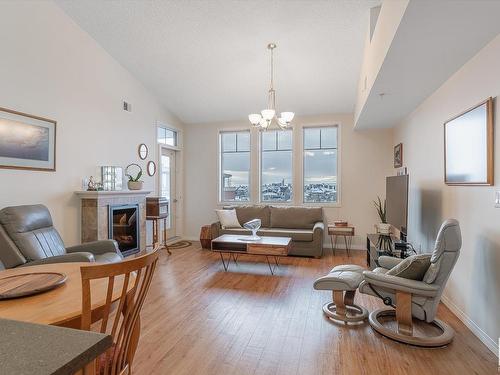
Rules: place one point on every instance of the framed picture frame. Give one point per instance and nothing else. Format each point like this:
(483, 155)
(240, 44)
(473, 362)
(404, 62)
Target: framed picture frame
(398, 155)
(468, 146)
(27, 141)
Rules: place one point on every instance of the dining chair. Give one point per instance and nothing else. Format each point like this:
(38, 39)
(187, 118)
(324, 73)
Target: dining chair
(122, 323)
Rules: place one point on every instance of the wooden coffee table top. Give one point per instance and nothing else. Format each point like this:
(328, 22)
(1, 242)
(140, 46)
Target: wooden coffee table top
(264, 241)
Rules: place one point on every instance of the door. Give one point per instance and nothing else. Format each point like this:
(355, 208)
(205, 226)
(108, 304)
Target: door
(167, 186)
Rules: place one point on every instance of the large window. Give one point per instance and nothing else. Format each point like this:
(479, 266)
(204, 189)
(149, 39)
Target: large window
(276, 166)
(234, 166)
(320, 164)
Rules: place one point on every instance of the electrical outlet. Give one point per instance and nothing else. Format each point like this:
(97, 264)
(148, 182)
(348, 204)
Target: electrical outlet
(497, 199)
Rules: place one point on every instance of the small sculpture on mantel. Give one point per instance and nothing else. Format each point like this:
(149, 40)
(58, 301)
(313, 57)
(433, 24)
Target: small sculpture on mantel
(91, 184)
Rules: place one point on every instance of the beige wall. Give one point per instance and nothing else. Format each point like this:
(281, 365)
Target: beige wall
(51, 68)
(365, 157)
(473, 291)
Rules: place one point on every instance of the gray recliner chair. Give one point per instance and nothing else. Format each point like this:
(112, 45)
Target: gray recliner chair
(415, 298)
(28, 237)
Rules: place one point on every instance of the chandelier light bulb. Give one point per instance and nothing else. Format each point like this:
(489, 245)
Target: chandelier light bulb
(268, 114)
(254, 119)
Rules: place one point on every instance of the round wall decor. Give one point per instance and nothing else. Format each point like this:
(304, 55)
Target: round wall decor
(151, 168)
(143, 151)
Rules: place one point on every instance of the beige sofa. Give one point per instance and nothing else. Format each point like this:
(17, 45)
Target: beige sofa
(303, 224)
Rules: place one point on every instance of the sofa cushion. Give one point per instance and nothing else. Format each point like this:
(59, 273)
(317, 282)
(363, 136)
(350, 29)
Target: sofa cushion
(297, 235)
(228, 219)
(295, 217)
(247, 213)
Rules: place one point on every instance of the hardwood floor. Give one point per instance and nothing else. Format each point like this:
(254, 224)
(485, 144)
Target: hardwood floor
(199, 319)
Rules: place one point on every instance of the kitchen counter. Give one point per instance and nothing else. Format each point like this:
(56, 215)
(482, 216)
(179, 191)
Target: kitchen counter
(27, 348)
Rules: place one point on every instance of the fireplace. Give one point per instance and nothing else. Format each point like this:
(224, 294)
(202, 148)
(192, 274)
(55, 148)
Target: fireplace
(124, 228)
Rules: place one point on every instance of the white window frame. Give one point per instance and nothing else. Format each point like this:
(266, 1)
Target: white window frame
(300, 195)
(220, 201)
(292, 200)
(177, 132)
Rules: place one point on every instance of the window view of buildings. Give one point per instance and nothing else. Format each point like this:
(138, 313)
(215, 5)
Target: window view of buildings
(276, 155)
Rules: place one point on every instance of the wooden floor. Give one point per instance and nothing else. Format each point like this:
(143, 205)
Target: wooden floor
(199, 319)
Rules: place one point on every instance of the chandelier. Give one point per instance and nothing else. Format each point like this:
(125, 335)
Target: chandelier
(268, 116)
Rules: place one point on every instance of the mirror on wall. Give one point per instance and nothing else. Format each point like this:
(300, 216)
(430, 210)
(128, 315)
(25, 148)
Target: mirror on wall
(468, 146)
(151, 168)
(143, 151)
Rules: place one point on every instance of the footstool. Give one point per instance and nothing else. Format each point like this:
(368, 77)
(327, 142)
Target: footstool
(343, 281)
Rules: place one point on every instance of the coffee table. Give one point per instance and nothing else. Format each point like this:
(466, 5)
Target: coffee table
(274, 247)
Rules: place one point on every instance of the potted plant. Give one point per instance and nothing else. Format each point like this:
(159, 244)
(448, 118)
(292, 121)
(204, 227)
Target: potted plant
(382, 227)
(134, 183)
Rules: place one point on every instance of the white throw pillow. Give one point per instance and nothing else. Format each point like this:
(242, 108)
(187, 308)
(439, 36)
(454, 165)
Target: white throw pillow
(228, 219)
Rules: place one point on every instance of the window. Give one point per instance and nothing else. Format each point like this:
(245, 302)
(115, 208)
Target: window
(234, 166)
(320, 165)
(276, 166)
(167, 136)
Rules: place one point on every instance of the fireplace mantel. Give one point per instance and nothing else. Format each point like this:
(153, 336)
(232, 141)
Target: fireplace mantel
(95, 212)
(84, 194)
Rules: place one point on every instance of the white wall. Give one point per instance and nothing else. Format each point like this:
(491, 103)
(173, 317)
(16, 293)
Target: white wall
(49, 67)
(365, 157)
(473, 291)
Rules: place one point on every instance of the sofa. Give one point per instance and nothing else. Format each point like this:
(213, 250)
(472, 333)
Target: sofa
(28, 237)
(303, 224)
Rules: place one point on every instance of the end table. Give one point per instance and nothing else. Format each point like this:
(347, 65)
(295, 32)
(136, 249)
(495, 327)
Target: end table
(346, 231)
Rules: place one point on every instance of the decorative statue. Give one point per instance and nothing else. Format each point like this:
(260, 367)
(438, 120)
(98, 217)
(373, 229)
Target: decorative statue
(91, 185)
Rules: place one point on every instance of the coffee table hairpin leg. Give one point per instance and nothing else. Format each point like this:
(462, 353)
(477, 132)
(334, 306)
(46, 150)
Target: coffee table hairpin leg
(276, 261)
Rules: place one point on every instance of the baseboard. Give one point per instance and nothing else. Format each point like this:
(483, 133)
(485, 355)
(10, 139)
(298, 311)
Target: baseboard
(476, 330)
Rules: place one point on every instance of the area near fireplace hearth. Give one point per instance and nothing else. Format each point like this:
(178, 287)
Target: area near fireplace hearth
(119, 215)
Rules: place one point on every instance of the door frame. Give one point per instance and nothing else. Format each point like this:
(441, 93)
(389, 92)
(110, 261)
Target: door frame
(176, 218)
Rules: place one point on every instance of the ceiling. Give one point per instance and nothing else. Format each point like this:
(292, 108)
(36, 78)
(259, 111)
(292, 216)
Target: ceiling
(433, 40)
(207, 60)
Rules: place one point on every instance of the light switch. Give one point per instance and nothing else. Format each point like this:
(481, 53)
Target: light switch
(497, 199)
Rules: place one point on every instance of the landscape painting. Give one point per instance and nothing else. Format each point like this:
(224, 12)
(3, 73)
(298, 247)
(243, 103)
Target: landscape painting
(26, 141)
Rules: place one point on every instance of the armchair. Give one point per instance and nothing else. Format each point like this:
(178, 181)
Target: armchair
(415, 298)
(28, 238)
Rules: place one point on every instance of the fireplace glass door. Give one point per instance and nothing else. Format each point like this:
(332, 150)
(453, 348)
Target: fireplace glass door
(124, 227)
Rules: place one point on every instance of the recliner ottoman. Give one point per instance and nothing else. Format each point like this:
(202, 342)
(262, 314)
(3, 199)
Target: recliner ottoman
(343, 281)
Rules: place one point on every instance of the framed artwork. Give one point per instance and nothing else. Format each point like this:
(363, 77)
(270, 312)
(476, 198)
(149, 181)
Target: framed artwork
(398, 156)
(468, 146)
(26, 141)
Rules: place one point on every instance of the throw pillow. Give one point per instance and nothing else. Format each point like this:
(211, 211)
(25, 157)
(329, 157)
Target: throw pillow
(413, 267)
(228, 219)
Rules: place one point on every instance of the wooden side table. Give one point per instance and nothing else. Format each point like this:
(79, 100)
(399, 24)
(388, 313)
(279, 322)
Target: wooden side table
(347, 232)
(156, 230)
(206, 236)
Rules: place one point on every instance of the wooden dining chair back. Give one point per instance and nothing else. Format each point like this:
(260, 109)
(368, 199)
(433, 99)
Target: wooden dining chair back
(131, 279)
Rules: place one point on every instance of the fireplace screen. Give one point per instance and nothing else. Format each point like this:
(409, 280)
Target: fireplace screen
(124, 227)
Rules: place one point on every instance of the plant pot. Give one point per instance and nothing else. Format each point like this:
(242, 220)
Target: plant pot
(384, 228)
(135, 185)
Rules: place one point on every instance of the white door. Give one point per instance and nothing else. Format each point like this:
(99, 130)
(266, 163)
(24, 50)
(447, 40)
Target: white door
(167, 186)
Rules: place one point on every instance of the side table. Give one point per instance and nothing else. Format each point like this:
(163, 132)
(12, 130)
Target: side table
(347, 232)
(156, 230)
(206, 237)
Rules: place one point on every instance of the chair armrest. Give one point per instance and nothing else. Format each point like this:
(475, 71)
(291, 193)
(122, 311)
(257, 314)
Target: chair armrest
(95, 247)
(319, 226)
(66, 258)
(388, 262)
(401, 284)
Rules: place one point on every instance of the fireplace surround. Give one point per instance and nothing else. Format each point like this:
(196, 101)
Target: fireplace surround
(95, 215)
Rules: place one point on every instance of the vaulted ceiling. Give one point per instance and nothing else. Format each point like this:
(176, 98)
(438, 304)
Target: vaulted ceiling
(207, 60)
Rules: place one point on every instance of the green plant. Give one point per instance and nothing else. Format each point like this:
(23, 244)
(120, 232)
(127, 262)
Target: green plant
(129, 174)
(381, 210)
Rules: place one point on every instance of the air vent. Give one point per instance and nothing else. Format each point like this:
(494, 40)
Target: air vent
(127, 106)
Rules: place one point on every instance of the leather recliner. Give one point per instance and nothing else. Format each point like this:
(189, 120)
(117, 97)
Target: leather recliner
(28, 237)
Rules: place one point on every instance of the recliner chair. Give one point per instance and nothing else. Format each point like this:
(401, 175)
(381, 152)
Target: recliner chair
(28, 237)
(414, 298)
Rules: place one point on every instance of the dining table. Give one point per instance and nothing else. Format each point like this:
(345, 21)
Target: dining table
(61, 306)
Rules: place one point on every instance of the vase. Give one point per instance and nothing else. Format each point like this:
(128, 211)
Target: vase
(384, 228)
(254, 226)
(135, 185)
